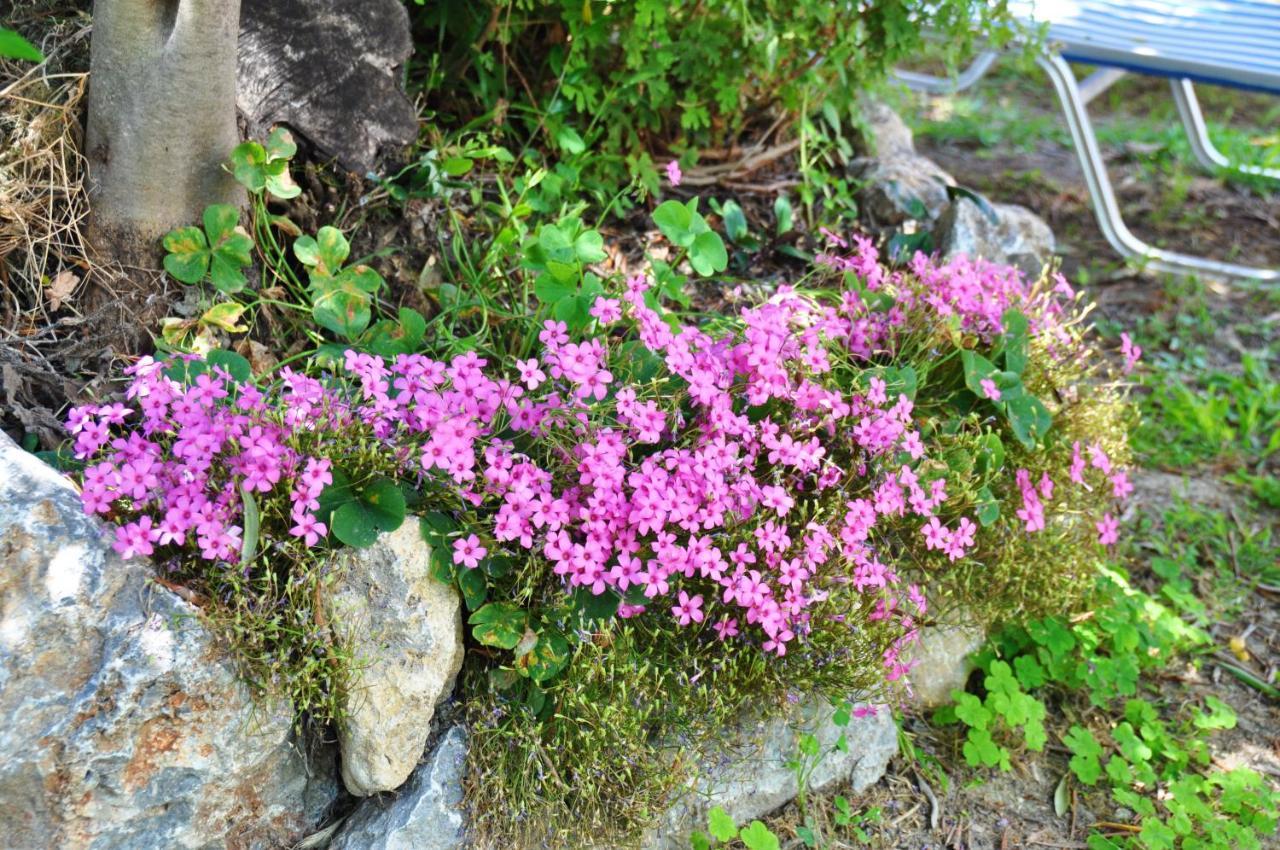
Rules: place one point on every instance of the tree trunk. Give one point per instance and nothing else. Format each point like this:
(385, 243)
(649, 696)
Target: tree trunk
(162, 120)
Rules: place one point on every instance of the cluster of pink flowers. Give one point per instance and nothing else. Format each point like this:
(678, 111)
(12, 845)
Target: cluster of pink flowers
(738, 489)
(184, 467)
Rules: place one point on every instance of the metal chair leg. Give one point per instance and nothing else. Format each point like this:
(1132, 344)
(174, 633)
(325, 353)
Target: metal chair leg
(929, 84)
(1105, 206)
(1184, 95)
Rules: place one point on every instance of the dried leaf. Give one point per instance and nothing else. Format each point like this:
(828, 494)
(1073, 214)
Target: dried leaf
(60, 288)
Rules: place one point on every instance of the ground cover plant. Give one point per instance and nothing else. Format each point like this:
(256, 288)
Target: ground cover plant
(684, 454)
(781, 483)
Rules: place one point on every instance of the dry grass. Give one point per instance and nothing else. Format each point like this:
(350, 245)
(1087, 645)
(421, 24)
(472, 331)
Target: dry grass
(42, 193)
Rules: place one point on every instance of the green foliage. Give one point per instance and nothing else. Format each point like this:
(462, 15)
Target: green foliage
(260, 167)
(14, 46)
(685, 227)
(1158, 768)
(341, 296)
(1190, 418)
(557, 256)
(616, 79)
(219, 251)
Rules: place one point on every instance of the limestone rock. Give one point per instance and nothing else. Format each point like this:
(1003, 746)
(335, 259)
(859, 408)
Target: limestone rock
(425, 814)
(749, 776)
(885, 133)
(330, 69)
(900, 187)
(121, 724)
(1016, 236)
(407, 629)
(942, 662)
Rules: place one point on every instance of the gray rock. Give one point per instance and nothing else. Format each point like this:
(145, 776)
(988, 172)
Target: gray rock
(902, 186)
(748, 774)
(407, 631)
(942, 662)
(426, 814)
(885, 133)
(330, 69)
(121, 724)
(1016, 237)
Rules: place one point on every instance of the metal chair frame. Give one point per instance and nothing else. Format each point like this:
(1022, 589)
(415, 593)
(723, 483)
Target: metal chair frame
(1074, 96)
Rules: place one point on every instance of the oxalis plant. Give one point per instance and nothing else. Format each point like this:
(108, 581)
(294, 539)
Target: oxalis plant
(699, 513)
(336, 296)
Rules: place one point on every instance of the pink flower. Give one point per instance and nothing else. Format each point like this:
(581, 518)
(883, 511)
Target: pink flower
(1130, 352)
(468, 551)
(606, 310)
(726, 627)
(688, 610)
(530, 374)
(309, 528)
(989, 389)
(1108, 530)
(674, 175)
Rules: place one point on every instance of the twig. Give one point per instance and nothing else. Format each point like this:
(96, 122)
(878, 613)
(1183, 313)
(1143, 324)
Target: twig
(935, 810)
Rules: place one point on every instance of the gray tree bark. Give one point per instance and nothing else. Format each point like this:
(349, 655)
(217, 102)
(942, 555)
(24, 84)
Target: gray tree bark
(161, 120)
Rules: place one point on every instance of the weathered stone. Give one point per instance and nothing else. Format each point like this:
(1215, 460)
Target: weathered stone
(407, 630)
(885, 133)
(942, 662)
(425, 814)
(330, 70)
(121, 725)
(902, 186)
(1003, 233)
(748, 774)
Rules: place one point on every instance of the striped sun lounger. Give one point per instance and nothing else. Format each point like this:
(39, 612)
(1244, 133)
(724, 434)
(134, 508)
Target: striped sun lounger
(1233, 43)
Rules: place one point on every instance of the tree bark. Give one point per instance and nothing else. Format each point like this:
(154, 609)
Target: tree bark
(161, 120)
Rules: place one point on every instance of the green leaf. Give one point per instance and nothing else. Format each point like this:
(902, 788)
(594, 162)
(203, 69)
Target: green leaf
(698, 840)
(988, 507)
(1219, 716)
(552, 291)
(976, 369)
(188, 257)
(247, 161)
(499, 624)
(675, 220)
(569, 141)
(306, 250)
(385, 501)
(1084, 762)
(456, 166)
(473, 585)
(980, 750)
(782, 212)
(720, 825)
(332, 249)
(435, 528)
(589, 246)
(280, 144)
(14, 46)
(1029, 419)
(235, 365)
(758, 837)
(353, 524)
(593, 608)
(970, 710)
(735, 221)
(252, 520)
(707, 254)
(1013, 341)
(342, 307)
(548, 657)
(443, 569)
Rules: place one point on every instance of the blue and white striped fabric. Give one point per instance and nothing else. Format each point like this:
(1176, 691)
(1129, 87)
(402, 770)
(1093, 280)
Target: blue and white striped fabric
(1227, 42)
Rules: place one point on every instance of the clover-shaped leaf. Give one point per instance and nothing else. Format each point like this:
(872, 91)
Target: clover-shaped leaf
(379, 507)
(720, 824)
(221, 249)
(324, 254)
(341, 305)
(548, 657)
(258, 167)
(1084, 763)
(499, 624)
